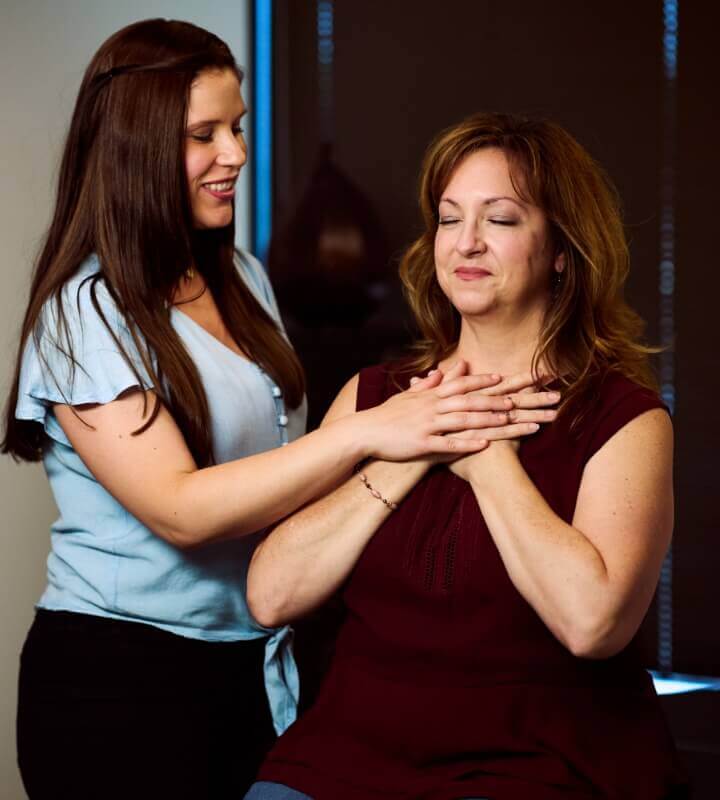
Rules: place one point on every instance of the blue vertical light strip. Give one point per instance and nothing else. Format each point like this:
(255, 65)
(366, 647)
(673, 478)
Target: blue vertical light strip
(261, 113)
(325, 58)
(667, 294)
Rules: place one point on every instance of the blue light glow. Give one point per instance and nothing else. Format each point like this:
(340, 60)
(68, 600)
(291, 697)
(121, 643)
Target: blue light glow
(262, 129)
(325, 56)
(666, 289)
(670, 38)
(675, 683)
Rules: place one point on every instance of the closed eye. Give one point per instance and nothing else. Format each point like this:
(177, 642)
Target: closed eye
(203, 135)
(447, 221)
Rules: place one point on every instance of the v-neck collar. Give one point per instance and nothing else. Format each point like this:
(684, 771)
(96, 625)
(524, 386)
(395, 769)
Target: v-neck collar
(211, 336)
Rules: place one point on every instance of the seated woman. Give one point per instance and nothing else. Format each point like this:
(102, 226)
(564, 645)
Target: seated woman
(493, 601)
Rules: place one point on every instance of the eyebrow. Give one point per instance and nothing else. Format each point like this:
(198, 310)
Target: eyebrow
(486, 202)
(201, 123)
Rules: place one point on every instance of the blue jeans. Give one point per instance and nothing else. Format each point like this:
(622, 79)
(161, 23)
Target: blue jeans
(264, 790)
(277, 791)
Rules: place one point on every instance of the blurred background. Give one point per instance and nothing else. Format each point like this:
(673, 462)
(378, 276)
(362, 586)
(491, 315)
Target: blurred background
(344, 97)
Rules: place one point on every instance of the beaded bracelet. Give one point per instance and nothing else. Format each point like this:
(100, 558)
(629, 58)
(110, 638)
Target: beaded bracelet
(374, 492)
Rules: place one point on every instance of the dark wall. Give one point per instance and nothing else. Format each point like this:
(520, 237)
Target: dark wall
(405, 69)
(697, 424)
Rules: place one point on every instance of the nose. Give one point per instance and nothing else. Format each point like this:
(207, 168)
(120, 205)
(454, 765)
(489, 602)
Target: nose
(470, 240)
(233, 151)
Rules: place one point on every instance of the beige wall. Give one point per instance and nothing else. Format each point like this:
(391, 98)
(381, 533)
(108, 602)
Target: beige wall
(44, 47)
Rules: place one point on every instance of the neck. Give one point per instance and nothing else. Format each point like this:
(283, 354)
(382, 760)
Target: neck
(499, 343)
(190, 287)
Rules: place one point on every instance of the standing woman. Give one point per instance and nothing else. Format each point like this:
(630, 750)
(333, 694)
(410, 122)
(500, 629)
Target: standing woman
(155, 383)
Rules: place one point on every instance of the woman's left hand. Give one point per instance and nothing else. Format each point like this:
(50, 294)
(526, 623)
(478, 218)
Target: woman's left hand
(495, 451)
(532, 408)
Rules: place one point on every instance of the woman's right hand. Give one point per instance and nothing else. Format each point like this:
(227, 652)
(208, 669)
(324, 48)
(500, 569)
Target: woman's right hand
(531, 407)
(426, 418)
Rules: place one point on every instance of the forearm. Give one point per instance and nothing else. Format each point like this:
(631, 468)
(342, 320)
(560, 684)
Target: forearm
(154, 476)
(243, 496)
(307, 557)
(553, 565)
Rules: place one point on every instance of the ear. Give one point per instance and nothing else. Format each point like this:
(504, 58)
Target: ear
(560, 263)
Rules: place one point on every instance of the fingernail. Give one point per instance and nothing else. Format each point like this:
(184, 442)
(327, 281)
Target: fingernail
(534, 426)
(496, 377)
(432, 372)
(413, 381)
(554, 395)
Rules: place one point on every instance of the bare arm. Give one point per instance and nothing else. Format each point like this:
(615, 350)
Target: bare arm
(592, 581)
(307, 557)
(154, 476)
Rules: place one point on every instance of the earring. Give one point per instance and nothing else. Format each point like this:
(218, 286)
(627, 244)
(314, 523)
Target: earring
(556, 283)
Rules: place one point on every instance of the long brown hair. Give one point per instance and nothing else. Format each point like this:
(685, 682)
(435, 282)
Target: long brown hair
(588, 329)
(122, 194)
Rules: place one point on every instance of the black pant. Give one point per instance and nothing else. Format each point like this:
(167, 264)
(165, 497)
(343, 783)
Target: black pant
(112, 709)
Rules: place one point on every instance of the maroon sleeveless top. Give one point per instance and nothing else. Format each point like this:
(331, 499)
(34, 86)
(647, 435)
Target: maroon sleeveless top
(446, 683)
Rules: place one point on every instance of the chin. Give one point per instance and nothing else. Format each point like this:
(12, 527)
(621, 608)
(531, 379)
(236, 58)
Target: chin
(211, 221)
(473, 306)
(474, 312)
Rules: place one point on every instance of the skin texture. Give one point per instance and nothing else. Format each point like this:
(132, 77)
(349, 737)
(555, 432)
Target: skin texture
(215, 147)
(591, 581)
(493, 252)
(485, 225)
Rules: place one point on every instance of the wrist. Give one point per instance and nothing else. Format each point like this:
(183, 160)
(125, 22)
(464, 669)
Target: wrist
(413, 469)
(367, 434)
(491, 467)
(390, 481)
(350, 436)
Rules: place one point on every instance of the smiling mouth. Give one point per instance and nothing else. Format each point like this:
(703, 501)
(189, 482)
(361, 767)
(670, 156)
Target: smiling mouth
(471, 273)
(220, 186)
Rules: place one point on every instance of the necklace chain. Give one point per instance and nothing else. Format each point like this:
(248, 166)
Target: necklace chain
(189, 275)
(190, 299)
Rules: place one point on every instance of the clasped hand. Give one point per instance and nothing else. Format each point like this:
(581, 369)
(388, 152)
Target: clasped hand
(446, 416)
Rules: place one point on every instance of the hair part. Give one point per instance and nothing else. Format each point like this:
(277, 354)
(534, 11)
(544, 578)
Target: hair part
(588, 328)
(122, 194)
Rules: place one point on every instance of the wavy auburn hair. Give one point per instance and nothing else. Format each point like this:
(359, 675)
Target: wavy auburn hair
(588, 328)
(122, 194)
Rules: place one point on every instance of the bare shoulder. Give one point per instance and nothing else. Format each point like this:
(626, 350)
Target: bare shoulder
(646, 437)
(345, 402)
(626, 491)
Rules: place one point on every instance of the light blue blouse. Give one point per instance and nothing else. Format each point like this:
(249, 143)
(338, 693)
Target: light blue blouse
(103, 561)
